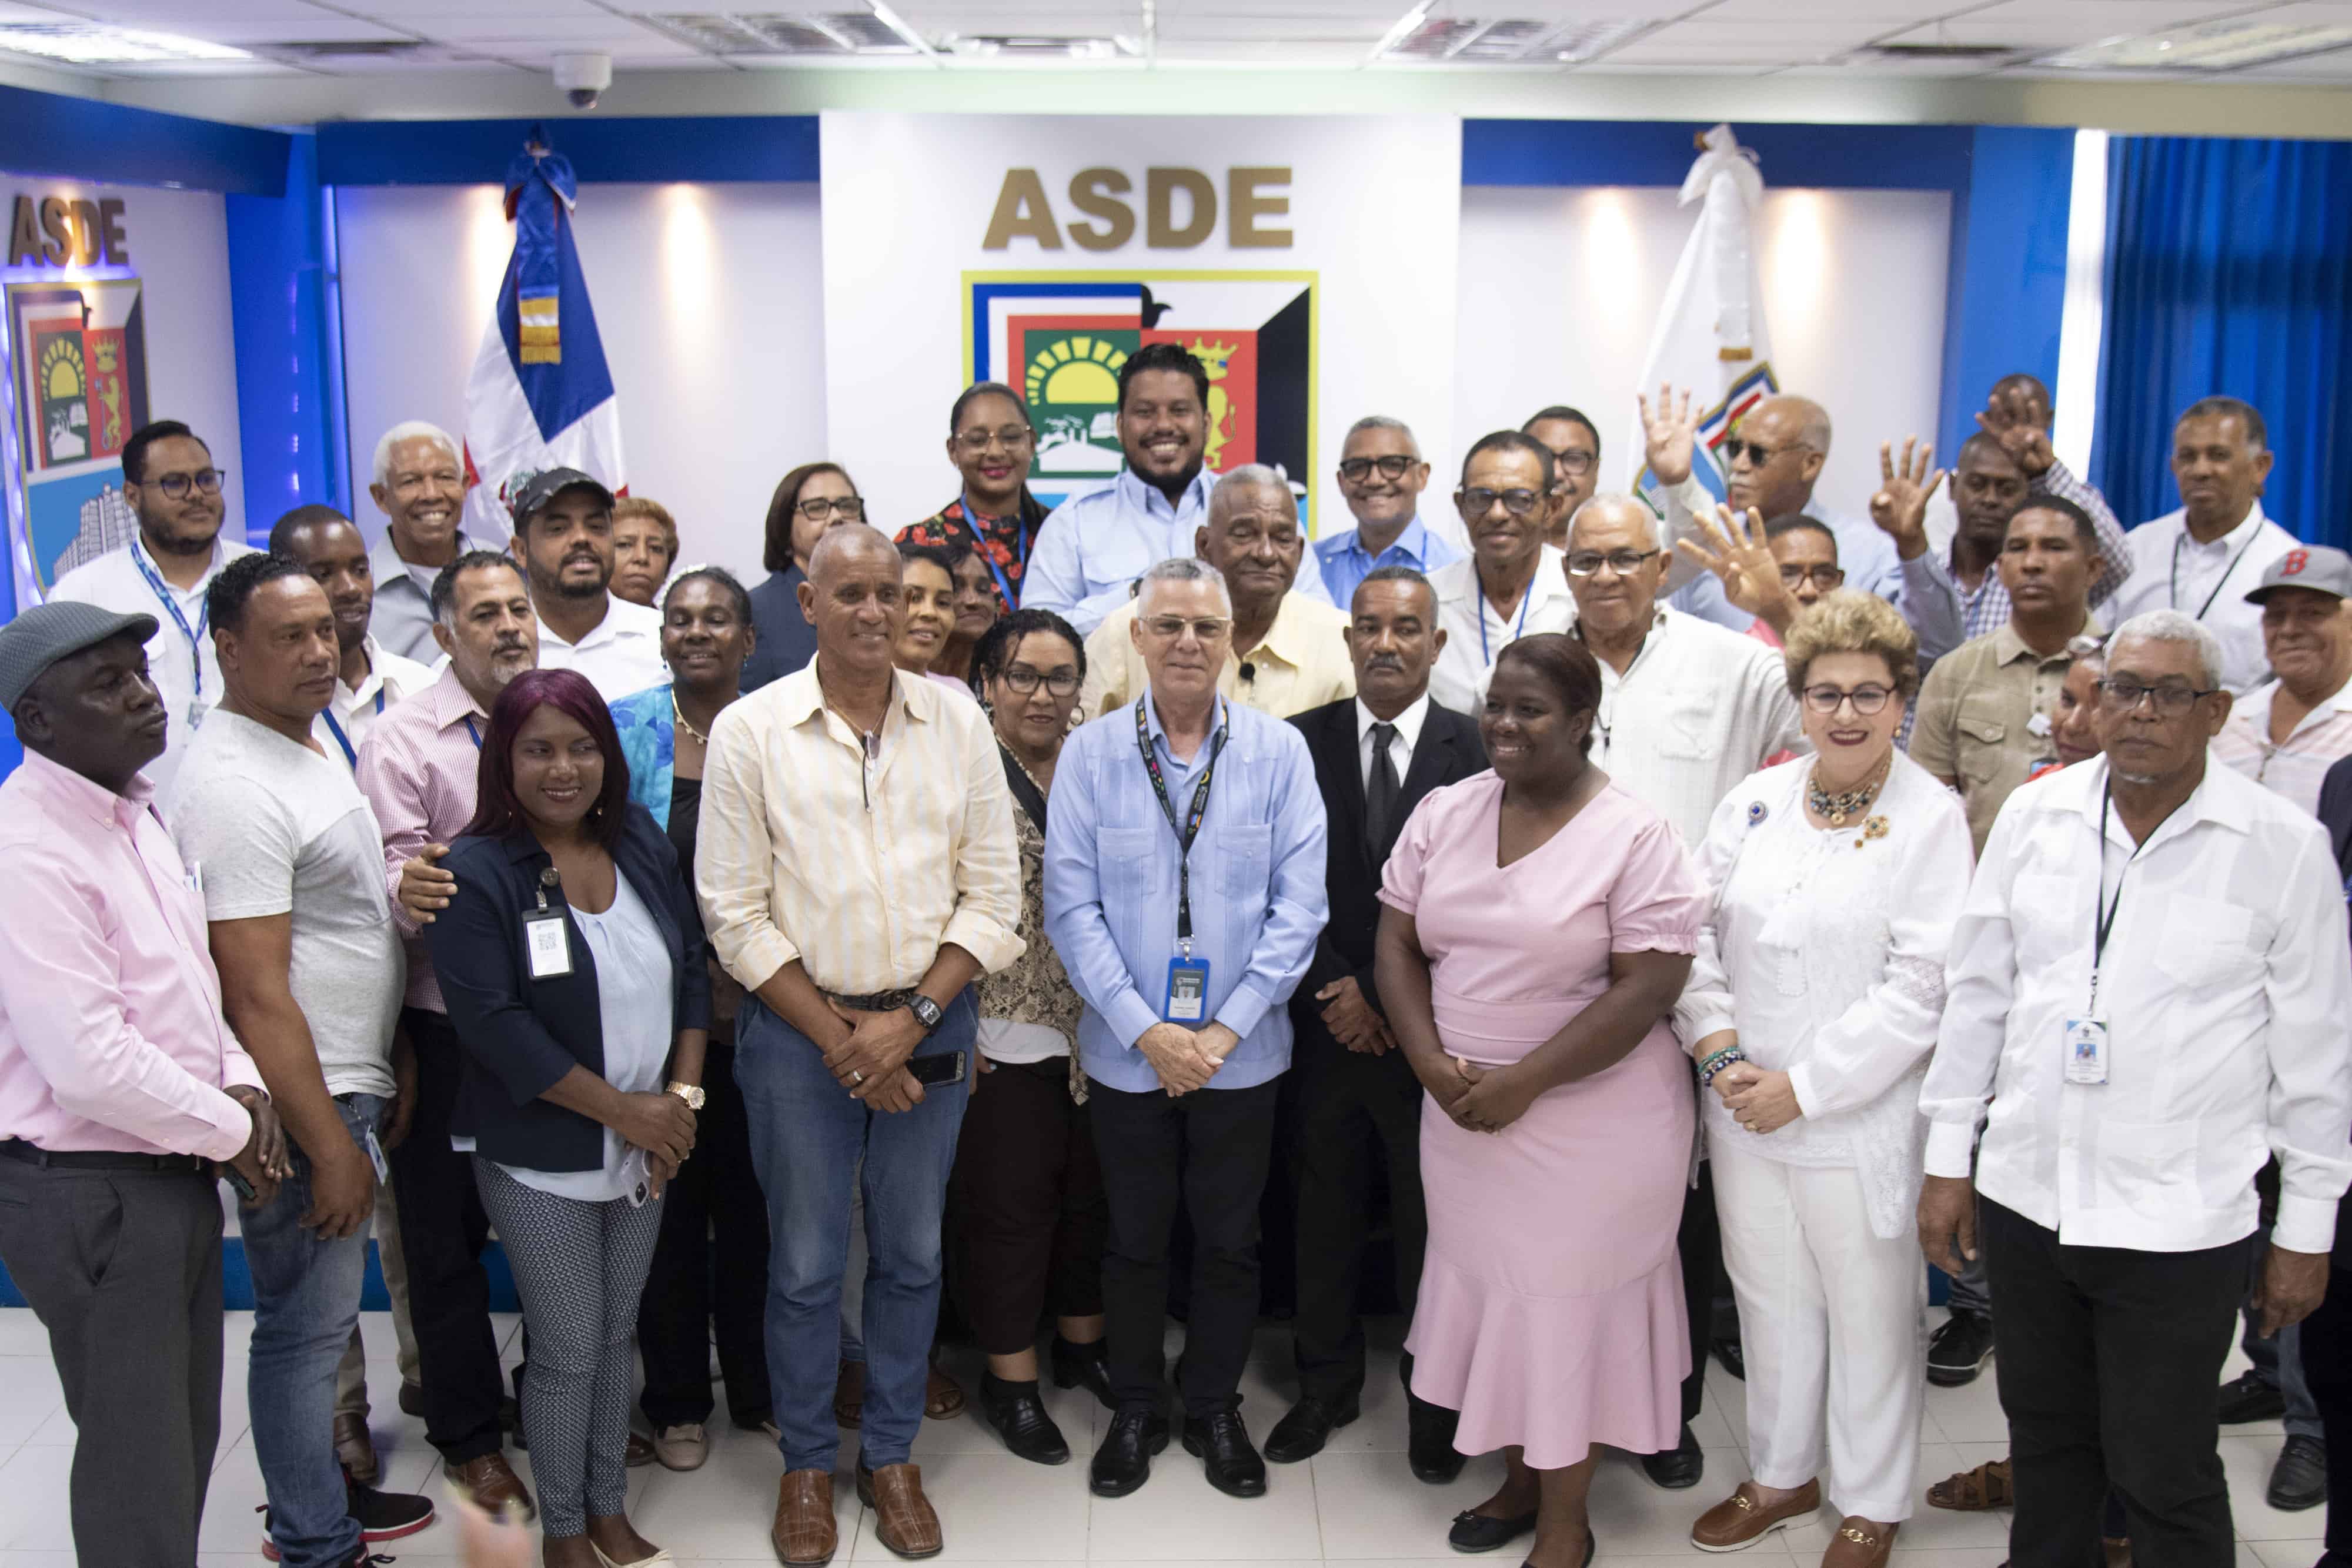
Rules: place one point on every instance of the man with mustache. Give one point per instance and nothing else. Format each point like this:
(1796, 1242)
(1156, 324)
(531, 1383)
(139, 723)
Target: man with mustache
(1092, 549)
(1512, 585)
(1381, 476)
(420, 485)
(417, 768)
(563, 537)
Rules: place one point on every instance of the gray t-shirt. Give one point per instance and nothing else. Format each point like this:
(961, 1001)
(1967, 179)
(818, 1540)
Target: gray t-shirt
(267, 825)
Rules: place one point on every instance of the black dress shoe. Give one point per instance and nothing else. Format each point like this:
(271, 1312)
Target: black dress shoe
(1123, 1462)
(1957, 1351)
(1227, 1457)
(1479, 1532)
(1019, 1417)
(1680, 1466)
(2299, 1479)
(1733, 1354)
(1429, 1441)
(2246, 1397)
(1084, 1363)
(1302, 1433)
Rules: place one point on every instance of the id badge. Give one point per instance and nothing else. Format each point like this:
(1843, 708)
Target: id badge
(546, 946)
(1188, 991)
(375, 1157)
(2086, 1050)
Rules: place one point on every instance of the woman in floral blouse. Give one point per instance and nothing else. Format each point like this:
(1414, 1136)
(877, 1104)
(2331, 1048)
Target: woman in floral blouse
(991, 445)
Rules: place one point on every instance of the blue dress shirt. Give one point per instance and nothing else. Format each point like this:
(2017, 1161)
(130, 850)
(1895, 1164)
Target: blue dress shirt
(1346, 563)
(1258, 894)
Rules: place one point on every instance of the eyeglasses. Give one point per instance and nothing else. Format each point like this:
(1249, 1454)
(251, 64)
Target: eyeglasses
(1573, 462)
(175, 485)
(1480, 502)
(1868, 701)
(850, 506)
(1061, 683)
(1169, 628)
(1624, 562)
(1012, 437)
(1392, 465)
(1824, 578)
(1758, 453)
(2123, 696)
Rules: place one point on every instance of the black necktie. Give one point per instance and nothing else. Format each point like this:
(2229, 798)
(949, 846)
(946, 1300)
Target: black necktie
(1380, 789)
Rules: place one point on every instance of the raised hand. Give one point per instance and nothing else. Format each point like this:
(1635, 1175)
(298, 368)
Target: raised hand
(1736, 552)
(1900, 507)
(2019, 422)
(1669, 433)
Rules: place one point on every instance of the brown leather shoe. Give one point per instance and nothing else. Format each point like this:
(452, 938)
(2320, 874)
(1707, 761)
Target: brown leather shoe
(1743, 1519)
(904, 1519)
(1859, 1544)
(805, 1532)
(355, 1448)
(491, 1485)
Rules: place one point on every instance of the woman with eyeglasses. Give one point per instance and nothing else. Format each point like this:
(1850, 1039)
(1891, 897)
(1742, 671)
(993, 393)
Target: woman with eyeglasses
(1835, 881)
(1028, 1185)
(991, 446)
(810, 499)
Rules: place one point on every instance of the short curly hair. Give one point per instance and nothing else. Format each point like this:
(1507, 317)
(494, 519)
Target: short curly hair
(1850, 622)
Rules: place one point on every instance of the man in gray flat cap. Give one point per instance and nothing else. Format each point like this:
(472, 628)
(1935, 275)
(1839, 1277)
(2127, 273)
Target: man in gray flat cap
(124, 1094)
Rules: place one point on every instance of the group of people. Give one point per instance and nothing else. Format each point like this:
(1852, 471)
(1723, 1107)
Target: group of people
(1638, 929)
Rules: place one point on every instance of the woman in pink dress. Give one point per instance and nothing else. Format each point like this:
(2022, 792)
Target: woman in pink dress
(1541, 924)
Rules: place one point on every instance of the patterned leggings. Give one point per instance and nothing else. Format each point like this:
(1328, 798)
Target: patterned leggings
(580, 1267)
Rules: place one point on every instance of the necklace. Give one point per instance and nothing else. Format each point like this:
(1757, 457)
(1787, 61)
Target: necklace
(1837, 808)
(684, 723)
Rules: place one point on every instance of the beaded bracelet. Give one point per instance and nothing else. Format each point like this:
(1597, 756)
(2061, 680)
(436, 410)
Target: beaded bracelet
(1716, 1063)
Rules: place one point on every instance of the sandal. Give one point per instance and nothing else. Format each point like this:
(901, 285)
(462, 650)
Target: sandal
(1973, 1491)
(849, 1393)
(942, 1398)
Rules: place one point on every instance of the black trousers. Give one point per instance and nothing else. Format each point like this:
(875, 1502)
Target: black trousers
(1356, 1122)
(2328, 1370)
(123, 1270)
(1208, 1149)
(1027, 1194)
(709, 1274)
(1698, 1242)
(443, 1232)
(2107, 1360)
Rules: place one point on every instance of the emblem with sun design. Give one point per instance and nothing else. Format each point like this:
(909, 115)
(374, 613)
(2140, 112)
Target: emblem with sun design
(1072, 390)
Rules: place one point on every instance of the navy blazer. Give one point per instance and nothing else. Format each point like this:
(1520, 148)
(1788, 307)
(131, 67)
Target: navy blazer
(521, 1035)
(785, 641)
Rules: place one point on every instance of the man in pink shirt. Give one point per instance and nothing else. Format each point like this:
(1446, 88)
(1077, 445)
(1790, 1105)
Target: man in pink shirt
(122, 1092)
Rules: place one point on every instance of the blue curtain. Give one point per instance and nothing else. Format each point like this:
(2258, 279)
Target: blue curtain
(2228, 271)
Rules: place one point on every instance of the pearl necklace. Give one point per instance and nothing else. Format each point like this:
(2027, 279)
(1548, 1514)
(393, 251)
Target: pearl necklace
(1837, 808)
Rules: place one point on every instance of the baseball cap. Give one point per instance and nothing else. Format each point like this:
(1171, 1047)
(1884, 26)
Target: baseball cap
(2319, 567)
(46, 632)
(547, 484)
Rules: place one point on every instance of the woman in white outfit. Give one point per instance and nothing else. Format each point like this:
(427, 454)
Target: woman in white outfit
(1811, 1012)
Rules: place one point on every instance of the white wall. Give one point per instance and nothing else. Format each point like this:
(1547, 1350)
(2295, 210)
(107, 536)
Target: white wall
(1560, 289)
(709, 299)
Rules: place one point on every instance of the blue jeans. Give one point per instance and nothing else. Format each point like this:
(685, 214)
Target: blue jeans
(306, 1302)
(807, 1134)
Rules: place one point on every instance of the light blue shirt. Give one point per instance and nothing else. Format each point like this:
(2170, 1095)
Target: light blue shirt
(1091, 549)
(1346, 563)
(1863, 550)
(1258, 896)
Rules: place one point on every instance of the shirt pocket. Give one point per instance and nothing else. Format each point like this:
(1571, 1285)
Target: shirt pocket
(1129, 868)
(2204, 942)
(2049, 913)
(1982, 749)
(1690, 731)
(1244, 859)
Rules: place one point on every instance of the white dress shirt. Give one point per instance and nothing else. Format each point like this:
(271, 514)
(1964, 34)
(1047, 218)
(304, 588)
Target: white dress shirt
(348, 718)
(2228, 1003)
(186, 674)
(2296, 767)
(620, 655)
(1408, 735)
(2170, 571)
(403, 618)
(1475, 631)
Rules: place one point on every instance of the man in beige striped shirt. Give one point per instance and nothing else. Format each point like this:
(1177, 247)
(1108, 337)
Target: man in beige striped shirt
(858, 869)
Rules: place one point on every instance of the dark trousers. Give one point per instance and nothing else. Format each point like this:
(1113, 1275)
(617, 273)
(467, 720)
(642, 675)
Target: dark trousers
(1357, 1122)
(2328, 1370)
(1699, 1241)
(709, 1273)
(1028, 1197)
(1209, 1149)
(443, 1230)
(123, 1268)
(2108, 1359)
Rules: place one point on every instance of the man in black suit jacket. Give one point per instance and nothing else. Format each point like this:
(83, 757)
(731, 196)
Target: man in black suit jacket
(1357, 1109)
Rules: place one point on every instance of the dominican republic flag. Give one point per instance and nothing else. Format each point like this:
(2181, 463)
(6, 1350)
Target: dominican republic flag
(1711, 339)
(540, 395)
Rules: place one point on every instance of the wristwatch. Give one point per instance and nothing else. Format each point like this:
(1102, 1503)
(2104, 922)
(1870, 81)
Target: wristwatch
(690, 1093)
(927, 1012)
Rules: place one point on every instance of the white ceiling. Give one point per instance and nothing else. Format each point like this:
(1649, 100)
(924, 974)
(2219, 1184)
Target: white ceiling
(1681, 37)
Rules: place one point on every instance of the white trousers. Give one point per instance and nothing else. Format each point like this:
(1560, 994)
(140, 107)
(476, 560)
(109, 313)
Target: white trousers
(1832, 1320)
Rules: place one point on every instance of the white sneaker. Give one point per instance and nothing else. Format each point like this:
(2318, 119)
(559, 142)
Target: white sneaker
(682, 1448)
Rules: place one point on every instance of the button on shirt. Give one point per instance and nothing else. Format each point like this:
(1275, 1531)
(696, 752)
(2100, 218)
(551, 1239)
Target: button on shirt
(1302, 662)
(1345, 562)
(1475, 631)
(346, 721)
(1982, 719)
(403, 618)
(418, 768)
(861, 869)
(2229, 1012)
(113, 581)
(2170, 571)
(1258, 896)
(1698, 710)
(2296, 767)
(111, 1037)
(620, 655)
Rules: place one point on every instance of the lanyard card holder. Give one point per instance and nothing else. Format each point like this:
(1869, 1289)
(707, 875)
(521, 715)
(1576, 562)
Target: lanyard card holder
(1187, 992)
(546, 939)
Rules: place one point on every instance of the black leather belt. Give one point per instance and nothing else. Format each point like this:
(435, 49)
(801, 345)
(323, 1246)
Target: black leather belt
(876, 1001)
(98, 1159)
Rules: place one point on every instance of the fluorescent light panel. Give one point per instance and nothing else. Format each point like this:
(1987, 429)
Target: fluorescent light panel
(96, 44)
(2210, 46)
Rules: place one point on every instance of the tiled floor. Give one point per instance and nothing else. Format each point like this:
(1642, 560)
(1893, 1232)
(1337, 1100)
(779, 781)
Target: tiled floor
(1354, 1502)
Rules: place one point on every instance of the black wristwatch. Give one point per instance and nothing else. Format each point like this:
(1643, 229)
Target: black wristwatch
(927, 1012)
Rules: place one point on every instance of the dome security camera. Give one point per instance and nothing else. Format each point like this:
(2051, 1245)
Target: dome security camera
(584, 77)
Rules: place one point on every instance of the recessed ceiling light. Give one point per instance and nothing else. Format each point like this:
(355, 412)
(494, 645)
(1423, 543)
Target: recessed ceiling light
(96, 44)
(785, 33)
(1037, 46)
(1470, 41)
(2212, 47)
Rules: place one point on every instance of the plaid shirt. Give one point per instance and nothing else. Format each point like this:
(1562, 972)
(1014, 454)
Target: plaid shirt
(1946, 616)
(1003, 542)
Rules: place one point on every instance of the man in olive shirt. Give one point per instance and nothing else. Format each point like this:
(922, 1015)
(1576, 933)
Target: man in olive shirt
(1983, 722)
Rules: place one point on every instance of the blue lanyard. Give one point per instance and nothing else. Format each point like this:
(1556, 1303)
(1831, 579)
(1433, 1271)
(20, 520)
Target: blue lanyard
(171, 607)
(1518, 632)
(350, 752)
(1004, 593)
(472, 731)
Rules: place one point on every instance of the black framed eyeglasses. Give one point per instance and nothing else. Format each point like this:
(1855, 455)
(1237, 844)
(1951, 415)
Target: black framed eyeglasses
(1392, 465)
(1480, 502)
(1824, 578)
(1868, 701)
(1624, 562)
(1025, 681)
(2124, 694)
(1573, 463)
(176, 485)
(850, 506)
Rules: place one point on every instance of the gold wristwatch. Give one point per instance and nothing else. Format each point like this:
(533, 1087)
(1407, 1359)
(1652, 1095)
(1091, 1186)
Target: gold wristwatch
(690, 1093)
